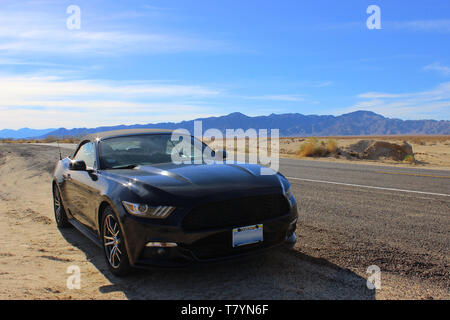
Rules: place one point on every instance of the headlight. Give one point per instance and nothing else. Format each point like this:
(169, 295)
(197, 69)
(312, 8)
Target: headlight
(144, 210)
(288, 193)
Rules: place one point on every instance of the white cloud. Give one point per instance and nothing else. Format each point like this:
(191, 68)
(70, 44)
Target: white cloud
(32, 87)
(381, 95)
(70, 118)
(278, 97)
(412, 105)
(437, 25)
(39, 101)
(104, 43)
(444, 70)
(324, 84)
(30, 31)
(431, 25)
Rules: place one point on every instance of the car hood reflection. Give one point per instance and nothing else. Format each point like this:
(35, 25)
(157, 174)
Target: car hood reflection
(190, 180)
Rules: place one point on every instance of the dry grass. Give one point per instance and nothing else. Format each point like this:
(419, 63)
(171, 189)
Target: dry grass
(50, 139)
(315, 148)
(409, 159)
(306, 149)
(332, 145)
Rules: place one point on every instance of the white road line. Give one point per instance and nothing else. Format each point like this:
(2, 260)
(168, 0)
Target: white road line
(371, 187)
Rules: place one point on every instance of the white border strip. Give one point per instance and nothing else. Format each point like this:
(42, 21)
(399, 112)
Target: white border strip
(371, 187)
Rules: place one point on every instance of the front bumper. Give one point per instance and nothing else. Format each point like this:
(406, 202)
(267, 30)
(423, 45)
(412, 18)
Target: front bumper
(201, 246)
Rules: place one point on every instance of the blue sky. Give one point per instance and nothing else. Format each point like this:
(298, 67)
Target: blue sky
(152, 61)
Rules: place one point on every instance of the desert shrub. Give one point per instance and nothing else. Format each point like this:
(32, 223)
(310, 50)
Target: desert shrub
(312, 148)
(409, 159)
(332, 145)
(306, 149)
(320, 150)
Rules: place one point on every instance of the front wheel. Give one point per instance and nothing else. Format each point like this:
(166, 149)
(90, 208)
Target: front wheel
(60, 213)
(113, 245)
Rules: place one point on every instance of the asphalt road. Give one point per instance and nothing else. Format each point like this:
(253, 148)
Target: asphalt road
(361, 215)
(407, 179)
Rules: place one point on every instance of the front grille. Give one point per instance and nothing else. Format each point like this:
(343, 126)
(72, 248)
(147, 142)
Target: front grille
(236, 212)
(220, 245)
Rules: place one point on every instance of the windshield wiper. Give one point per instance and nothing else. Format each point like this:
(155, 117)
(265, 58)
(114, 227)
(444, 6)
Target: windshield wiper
(128, 166)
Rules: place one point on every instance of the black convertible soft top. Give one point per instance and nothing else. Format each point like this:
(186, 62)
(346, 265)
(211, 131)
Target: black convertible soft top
(120, 133)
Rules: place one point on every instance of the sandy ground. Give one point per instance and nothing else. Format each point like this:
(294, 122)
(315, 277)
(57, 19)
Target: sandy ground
(35, 255)
(431, 152)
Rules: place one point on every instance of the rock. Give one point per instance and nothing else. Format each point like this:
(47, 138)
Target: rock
(374, 150)
(407, 147)
(360, 146)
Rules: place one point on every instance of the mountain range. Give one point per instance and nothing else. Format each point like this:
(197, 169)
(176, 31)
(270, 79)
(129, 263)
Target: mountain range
(23, 133)
(290, 124)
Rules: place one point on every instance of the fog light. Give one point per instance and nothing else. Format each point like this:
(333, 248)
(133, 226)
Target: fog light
(161, 244)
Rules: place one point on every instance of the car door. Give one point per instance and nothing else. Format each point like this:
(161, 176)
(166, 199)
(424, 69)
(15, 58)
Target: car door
(82, 186)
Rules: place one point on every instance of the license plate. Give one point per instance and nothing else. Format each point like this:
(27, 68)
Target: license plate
(247, 235)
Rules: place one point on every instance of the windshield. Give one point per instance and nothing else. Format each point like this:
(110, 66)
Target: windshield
(131, 151)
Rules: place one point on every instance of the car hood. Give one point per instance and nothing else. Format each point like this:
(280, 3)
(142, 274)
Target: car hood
(198, 180)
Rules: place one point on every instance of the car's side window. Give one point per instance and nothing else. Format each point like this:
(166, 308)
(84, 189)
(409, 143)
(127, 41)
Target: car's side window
(87, 154)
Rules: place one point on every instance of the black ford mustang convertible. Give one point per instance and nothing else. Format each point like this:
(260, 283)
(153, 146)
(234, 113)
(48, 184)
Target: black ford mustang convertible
(123, 190)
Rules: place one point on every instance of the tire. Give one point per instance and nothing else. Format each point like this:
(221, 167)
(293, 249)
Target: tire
(291, 241)
(113, 244)
(60, 212)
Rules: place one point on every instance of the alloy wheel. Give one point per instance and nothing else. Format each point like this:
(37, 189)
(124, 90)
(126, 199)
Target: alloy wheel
(112, 241)
(57, 205)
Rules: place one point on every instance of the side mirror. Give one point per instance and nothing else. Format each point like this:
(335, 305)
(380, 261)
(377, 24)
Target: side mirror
(77, 165)
(221, 153)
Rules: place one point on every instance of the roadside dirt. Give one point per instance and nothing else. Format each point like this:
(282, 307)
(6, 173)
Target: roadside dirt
(35, 256)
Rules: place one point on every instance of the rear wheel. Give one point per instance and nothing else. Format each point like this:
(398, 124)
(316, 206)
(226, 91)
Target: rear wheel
(60, 213)
(113, 245)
